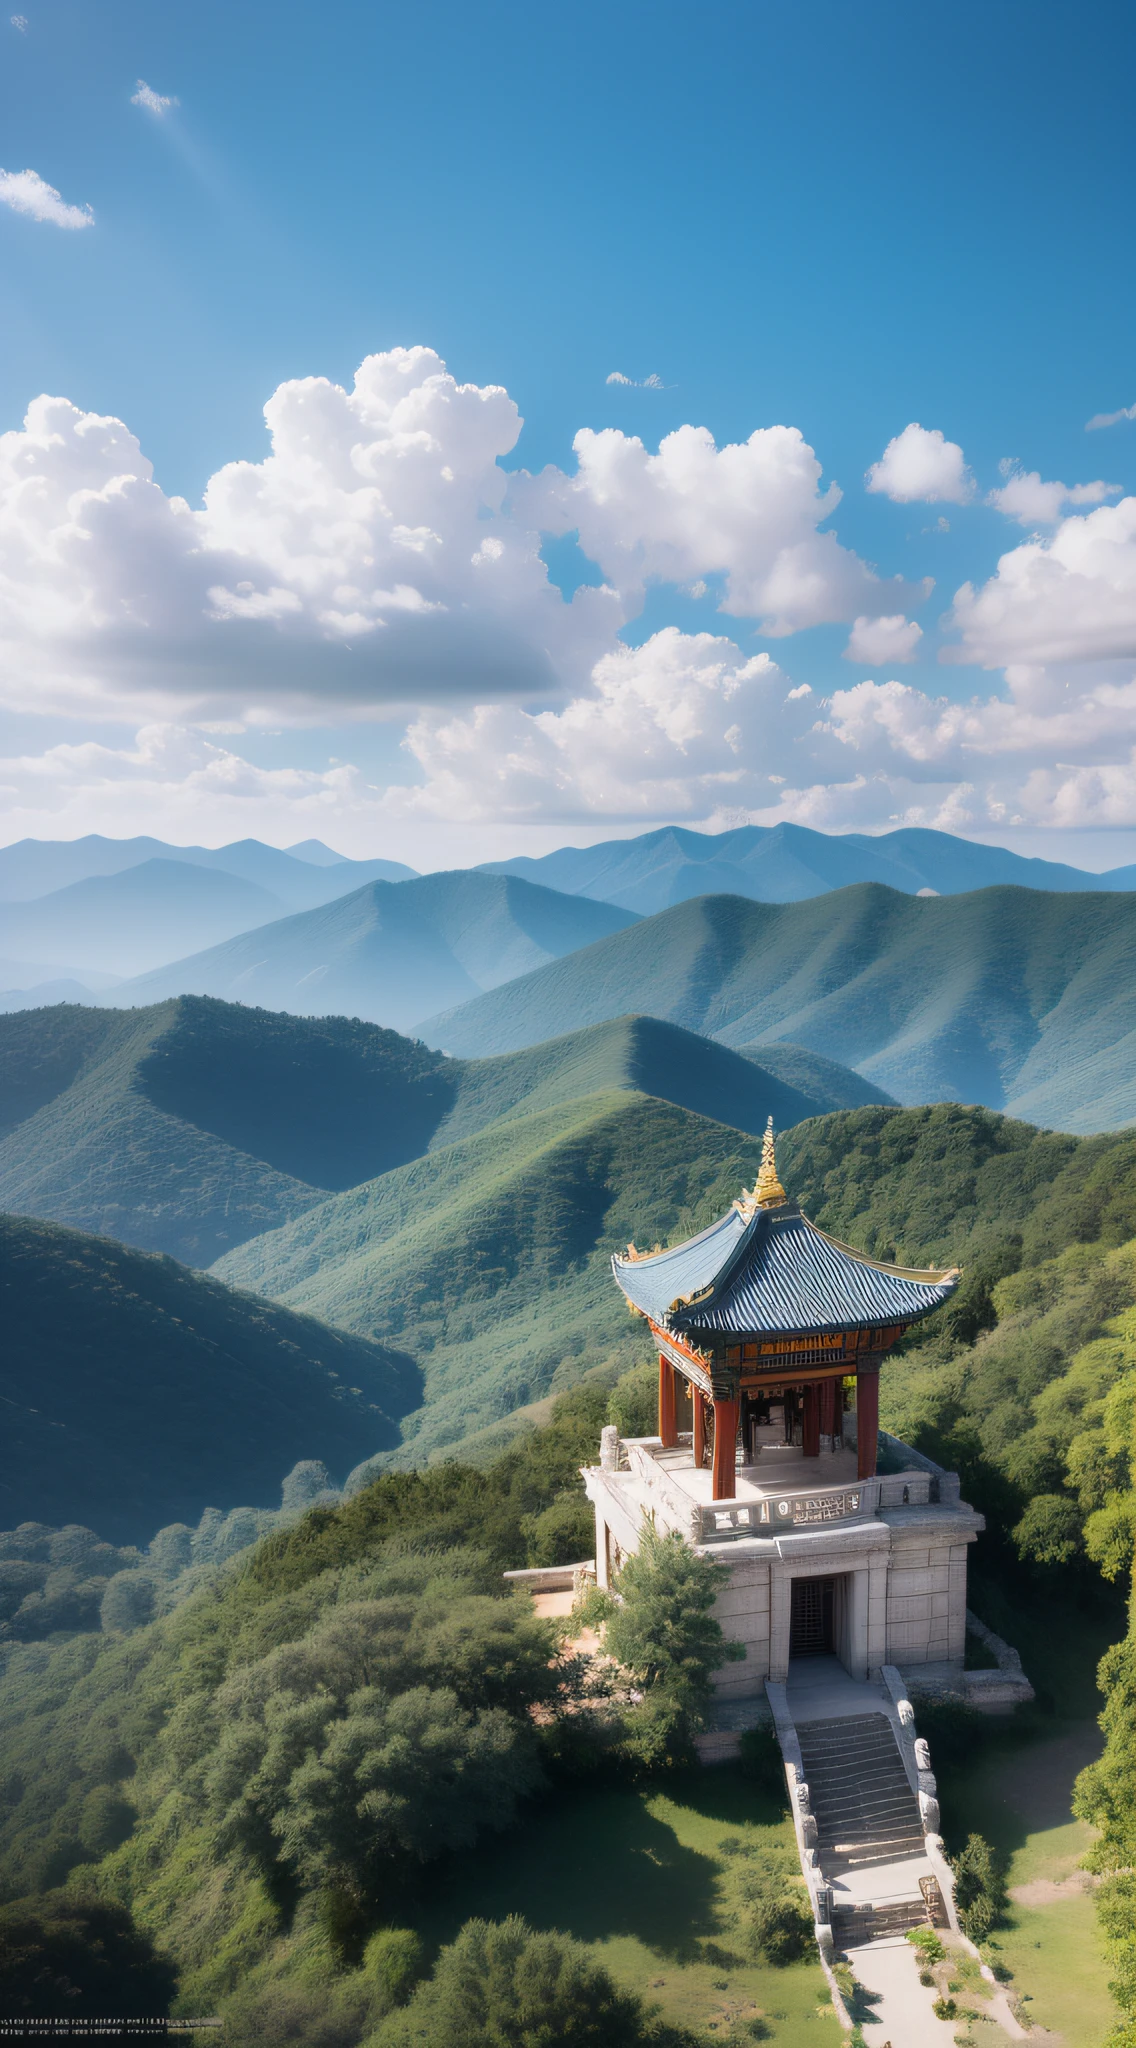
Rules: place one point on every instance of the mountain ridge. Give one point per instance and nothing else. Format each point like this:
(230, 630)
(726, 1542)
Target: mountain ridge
(190, 1126)
(789, 863)
(1005, 996)
(387, 950)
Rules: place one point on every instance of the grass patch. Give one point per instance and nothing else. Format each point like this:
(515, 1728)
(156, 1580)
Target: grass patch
(1058, 1963)
(644, 1876)
(1015, 1788)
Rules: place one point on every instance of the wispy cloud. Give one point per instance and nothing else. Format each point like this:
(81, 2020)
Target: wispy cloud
(1110, 419)
(652, 383)
(26, 192)
(154, 102)
(20, 22)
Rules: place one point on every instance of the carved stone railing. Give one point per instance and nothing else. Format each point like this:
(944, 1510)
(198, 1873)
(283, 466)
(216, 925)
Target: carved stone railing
(772, 1511)
(671, 1505)
(775, 1511)
(917, 1764)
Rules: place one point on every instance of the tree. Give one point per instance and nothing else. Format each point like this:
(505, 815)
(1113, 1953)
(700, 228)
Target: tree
(664, 1631)
(342, 1795)
(502, 1985)
(634, 1401)
(80, 1957)
(1050, 1530)
(129, 1602)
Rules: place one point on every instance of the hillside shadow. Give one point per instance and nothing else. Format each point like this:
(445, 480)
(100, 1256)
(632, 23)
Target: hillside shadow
(594, 1866)
(329, 1100)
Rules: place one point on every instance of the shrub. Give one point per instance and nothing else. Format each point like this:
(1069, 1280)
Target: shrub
(393, 1961)
(505, 1986)
(927, 1942)
(763, 1764)
(980, 1888)
(565, 1533)
(779, 1926)
(286, 2015)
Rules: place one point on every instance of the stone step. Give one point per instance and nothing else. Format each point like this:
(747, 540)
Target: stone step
(865, 1809)
(852, 1925)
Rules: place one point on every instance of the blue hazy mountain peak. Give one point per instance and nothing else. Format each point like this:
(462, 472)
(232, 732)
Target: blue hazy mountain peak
(789, 863)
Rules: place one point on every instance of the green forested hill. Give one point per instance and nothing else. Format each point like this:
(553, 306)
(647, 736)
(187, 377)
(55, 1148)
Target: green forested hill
(1021, 1000)
(101, 1153)
(196, 1124)
(939, 1185)
(391, 951)
(639, 1053)
(135, 1392)
(490, 1259)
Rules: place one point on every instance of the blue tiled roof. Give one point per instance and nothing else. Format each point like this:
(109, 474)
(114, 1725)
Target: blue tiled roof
(776, 1273)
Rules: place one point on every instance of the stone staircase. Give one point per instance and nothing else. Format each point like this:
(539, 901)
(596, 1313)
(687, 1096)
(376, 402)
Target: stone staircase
(854, 1925)
(865, 1809)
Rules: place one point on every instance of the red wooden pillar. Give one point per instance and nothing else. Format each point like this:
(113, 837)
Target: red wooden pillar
(867, 1422)
(810, 1421)
(724, 1482)
(827, 1393)
(668, 1426)
(698, 1411)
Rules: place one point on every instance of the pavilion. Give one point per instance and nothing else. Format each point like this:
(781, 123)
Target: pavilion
(839, 1539)
(762, 1309)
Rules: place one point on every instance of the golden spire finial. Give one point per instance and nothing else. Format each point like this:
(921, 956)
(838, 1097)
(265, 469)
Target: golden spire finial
(767, 1189)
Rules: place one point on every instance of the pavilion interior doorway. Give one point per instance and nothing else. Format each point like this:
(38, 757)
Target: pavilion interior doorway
(813, 1617)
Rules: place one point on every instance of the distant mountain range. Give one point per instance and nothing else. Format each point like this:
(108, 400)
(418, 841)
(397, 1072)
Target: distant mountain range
(194, 1125)
(300, 876)
(391, 952)
(787, 864)
(1020, 1000)
(78, 915)
(136, 1393)
(111, 908)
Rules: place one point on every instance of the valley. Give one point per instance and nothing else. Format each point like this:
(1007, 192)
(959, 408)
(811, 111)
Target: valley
(312, 1326)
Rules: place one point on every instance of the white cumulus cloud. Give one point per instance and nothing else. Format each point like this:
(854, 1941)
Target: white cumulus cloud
(676, 727)
(1068, 599)
(920, 466)
(381, 554)
(26, 192)
(750, 511)
(1031, 502)
(880, 641)
(368, 559)
(154, 102)
(652, 383)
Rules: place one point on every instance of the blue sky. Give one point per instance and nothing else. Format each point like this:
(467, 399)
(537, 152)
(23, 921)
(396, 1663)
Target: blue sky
(837, 220)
